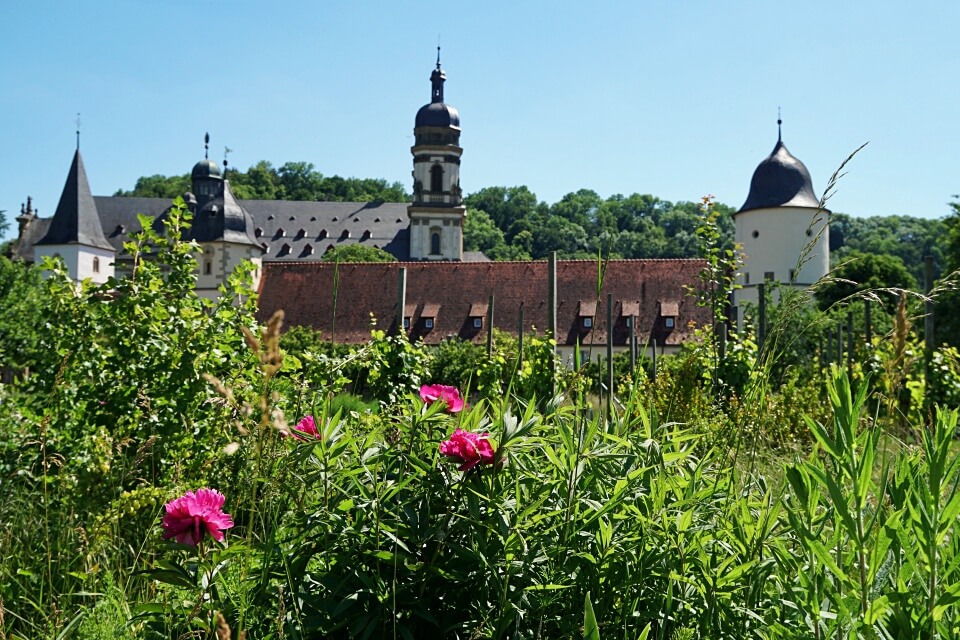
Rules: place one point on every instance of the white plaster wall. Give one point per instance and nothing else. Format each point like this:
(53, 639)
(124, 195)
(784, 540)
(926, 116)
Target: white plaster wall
(79, 260)
(450, 224)
(781, 239)
(224, 257)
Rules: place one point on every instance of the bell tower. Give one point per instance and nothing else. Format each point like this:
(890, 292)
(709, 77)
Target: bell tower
(437, 212)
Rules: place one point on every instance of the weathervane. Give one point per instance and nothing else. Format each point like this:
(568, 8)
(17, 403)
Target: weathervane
(226, 150)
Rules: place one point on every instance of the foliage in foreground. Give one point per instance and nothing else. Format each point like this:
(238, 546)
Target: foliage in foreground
(651, 520)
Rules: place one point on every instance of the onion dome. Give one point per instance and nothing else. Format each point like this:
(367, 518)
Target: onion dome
(780, 180)
(437, 113)
(204, 169)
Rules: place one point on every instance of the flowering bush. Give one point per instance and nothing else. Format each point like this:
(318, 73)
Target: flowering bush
(193, 513)
(307, 426)
(450, 396)
(468, 448)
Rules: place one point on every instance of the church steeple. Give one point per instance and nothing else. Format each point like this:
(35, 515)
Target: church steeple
(75, 234)
(76, 220)
(437, 78)
(437, 212)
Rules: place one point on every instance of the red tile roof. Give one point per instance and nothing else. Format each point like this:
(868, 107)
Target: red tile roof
(453, 292)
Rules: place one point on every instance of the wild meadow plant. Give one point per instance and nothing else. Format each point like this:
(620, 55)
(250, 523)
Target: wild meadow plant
(509, 513)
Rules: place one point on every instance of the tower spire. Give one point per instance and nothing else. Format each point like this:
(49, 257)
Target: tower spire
(779, 123)
(206, 146)
(78, 131)
(437, 78)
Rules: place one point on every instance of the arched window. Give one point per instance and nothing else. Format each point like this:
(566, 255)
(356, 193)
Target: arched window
(436, 178)
(435, 243)
(96, 264)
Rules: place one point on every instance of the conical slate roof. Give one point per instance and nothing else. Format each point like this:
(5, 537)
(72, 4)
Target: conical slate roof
(780, 181)
(76, 220)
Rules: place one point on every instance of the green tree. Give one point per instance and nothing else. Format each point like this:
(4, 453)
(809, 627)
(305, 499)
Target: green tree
(505, 205)
(481, 234)
(357, 253)
(22, 300)
(157, 186)
(861, 272)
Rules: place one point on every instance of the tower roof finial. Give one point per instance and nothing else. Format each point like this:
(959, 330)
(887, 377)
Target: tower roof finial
(779, 123)
(78, 131)
(438, 51)
(206, 146)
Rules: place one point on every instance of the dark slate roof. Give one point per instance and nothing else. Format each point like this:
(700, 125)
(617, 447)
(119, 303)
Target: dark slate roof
(780, 181)
(294, 230)
(438, 114)
(206, 168)
(118, 216)
(31, 235)
(222, 219)
(454, 290)
(288, 230)
(76, 220)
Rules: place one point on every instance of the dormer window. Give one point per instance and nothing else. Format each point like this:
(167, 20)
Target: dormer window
(280, 233)
(345, 234)
(322, 234)
(669, 311)
(258, 232)
(429, 314)
(408, 313)
(477, 312)
(366, 235)
(629, 310)
(300, 234)
(586, 313)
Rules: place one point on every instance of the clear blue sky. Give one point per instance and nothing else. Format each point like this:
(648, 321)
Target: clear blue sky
(677, 99)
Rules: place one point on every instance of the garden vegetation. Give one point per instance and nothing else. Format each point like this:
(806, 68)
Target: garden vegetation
(171, 469)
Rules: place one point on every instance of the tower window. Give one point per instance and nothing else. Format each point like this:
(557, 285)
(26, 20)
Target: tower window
(207, 267)
(96, 264)
(768, 276)
(436, 178)
(435, 243)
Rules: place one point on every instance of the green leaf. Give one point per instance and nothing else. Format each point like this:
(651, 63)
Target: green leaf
(590, 629)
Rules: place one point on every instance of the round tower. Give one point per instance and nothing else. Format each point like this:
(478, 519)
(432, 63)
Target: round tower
(781, 228)
(437, 212)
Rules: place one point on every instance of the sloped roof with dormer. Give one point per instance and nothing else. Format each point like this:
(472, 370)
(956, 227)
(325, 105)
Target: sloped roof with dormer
(76, 220)
(450, 294)
(287, 230)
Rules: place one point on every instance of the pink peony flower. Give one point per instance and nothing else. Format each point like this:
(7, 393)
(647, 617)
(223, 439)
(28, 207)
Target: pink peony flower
(450, 396)
(469, 448)
(306, 426)
(193, 513)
